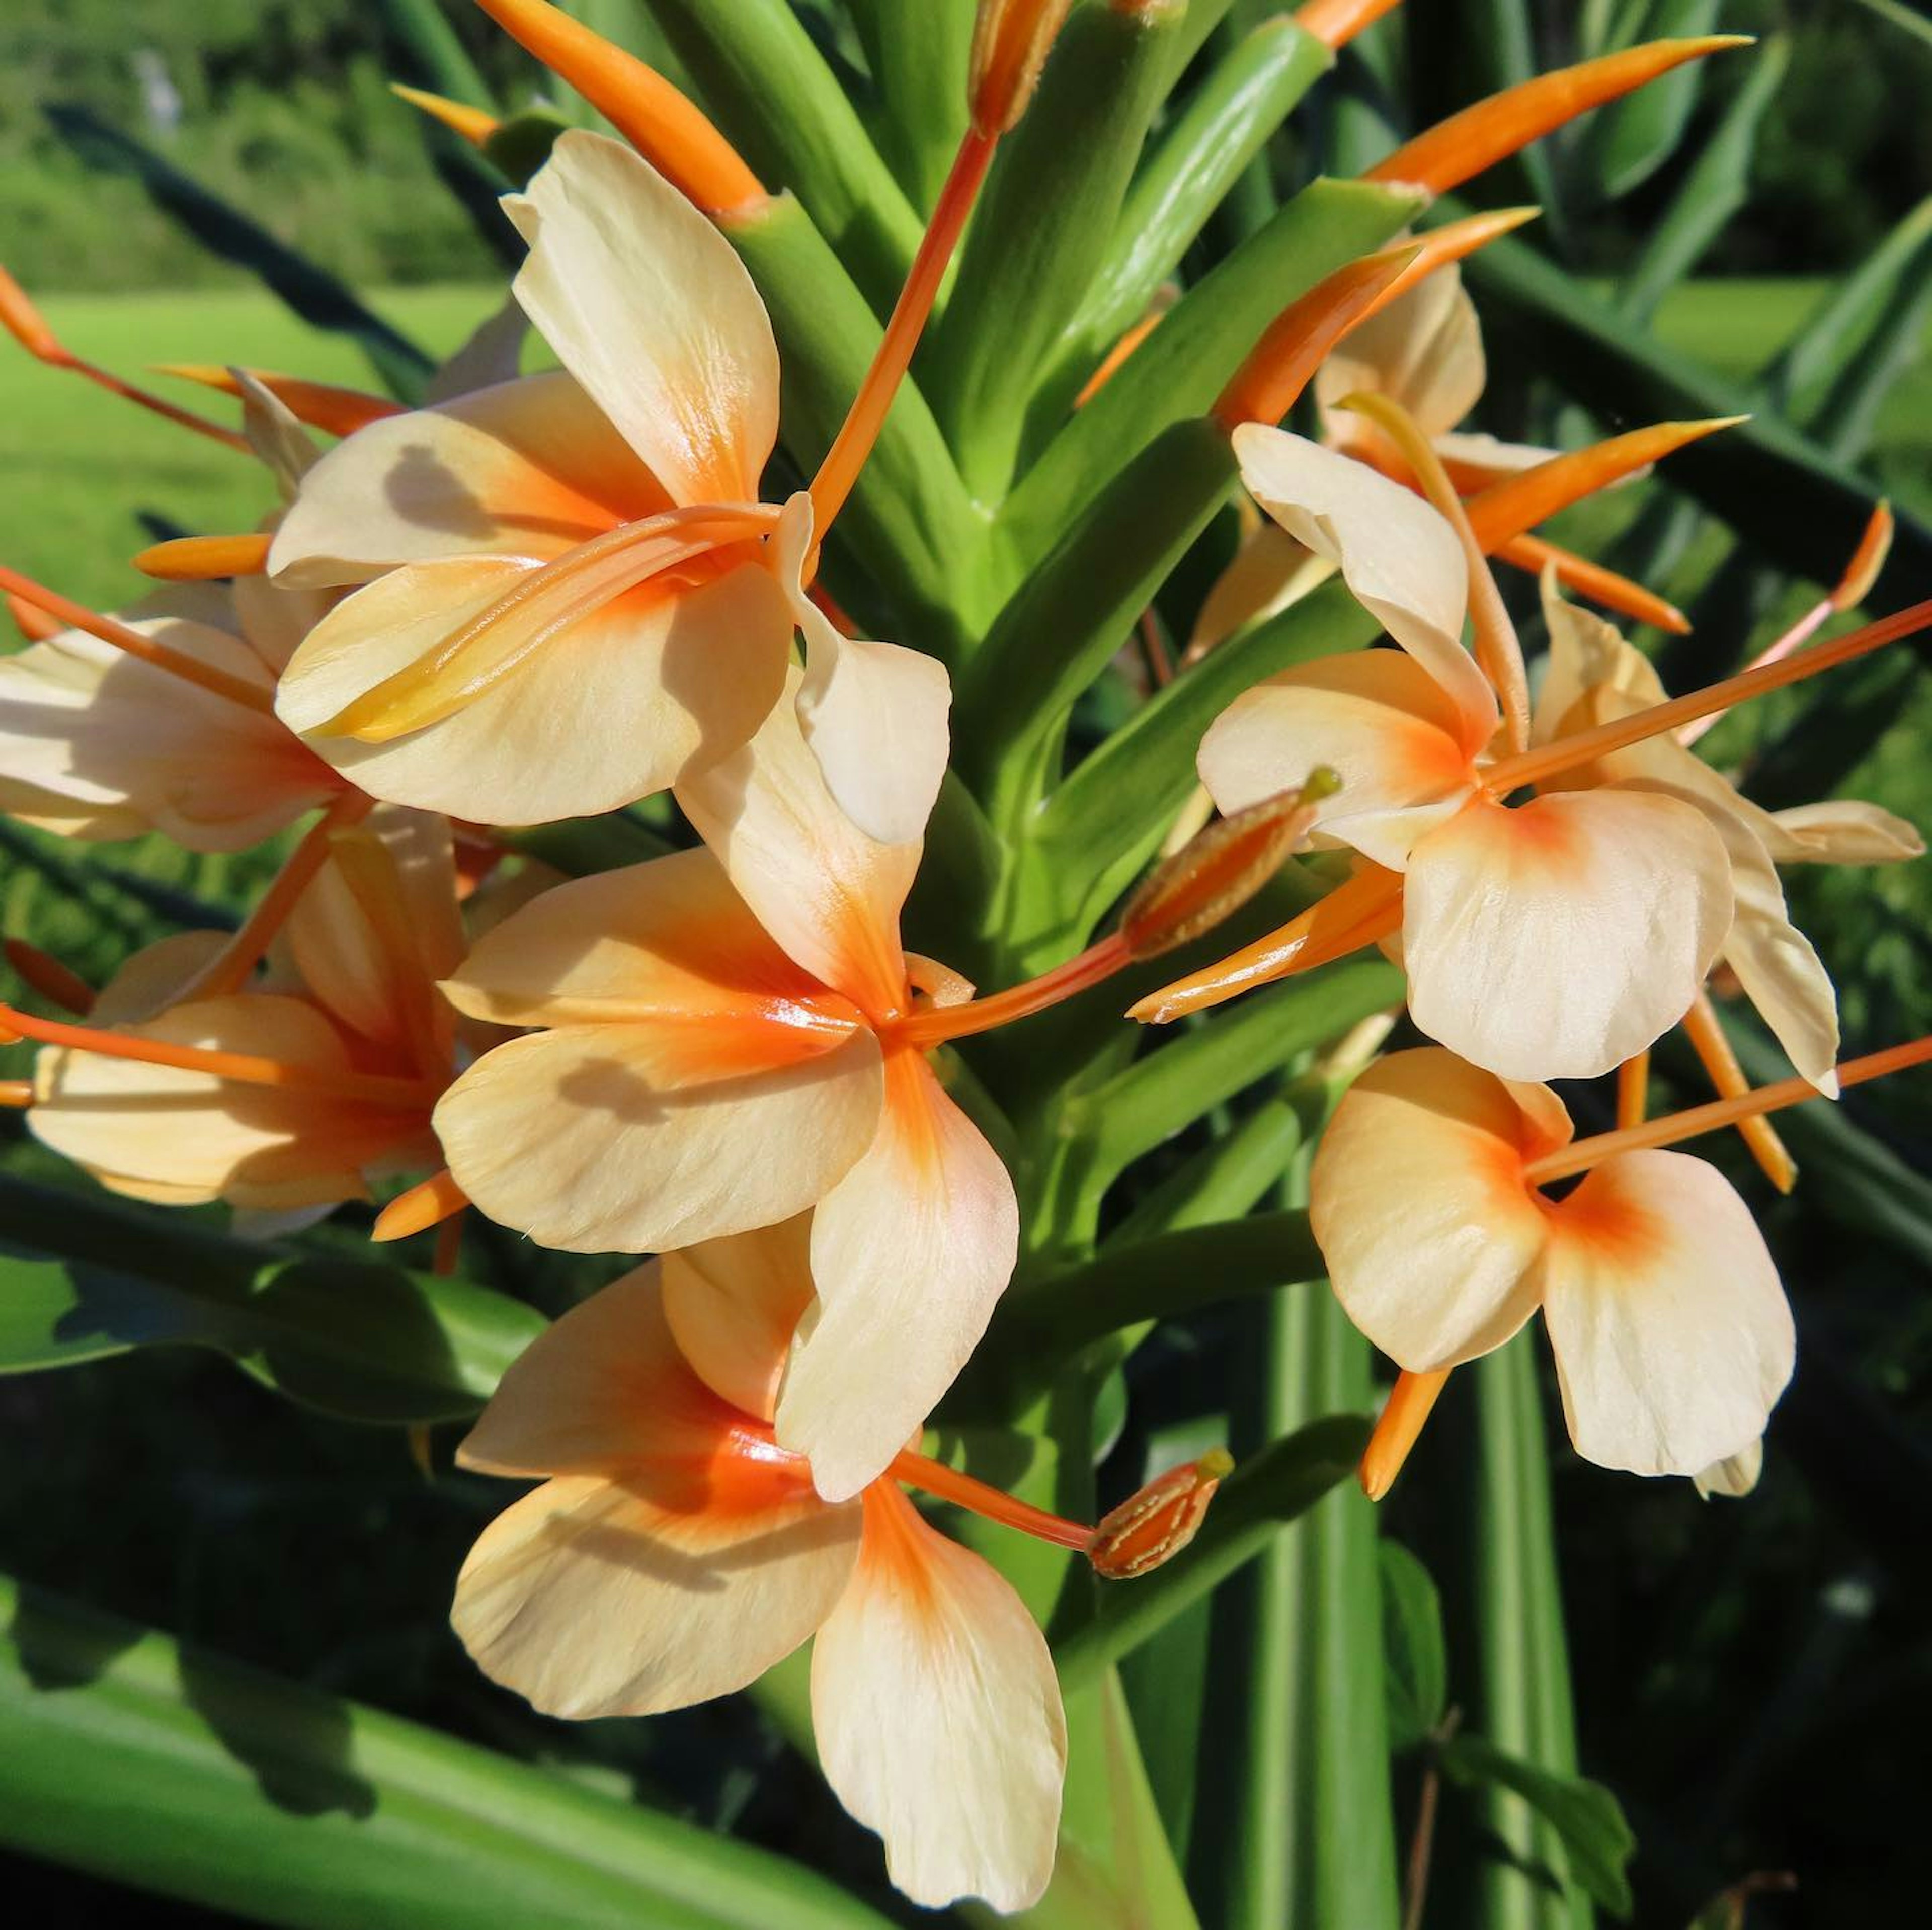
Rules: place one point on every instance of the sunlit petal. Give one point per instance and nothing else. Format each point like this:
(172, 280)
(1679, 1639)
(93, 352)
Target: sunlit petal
(734, 1304)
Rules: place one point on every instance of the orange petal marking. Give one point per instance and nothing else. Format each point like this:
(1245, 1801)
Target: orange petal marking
(29, 327)
(429, 1203)
(59, 985)
(1592, 580)
(1521, 501)
(1368, 906)
(1449, 154)
(667, 130)
(202, 559)
(1714, 1052)
(1411, 1402)
(1153, 1527)
(473, 124)
(1336, 22)
(110, 630)
(321, 405)
(1673, 1128)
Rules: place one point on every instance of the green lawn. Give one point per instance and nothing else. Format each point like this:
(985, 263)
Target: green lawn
(80, 466)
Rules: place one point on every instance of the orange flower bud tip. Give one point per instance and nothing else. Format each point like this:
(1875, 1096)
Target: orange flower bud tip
(1011, 40)
(16, 1094)
(1411, 1402)
(1153, 1526)
(1336, 22)
(420, 1208)
(27, 325)
(201, 559)
(472, 123)
(1868, 560)
(33, 623)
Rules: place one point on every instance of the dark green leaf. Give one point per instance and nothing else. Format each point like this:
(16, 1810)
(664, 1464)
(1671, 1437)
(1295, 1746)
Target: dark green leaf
(1624, 143)
(1413, 1648)
(918, 56)
(522, 144)
(436, 55)
(180, 1771)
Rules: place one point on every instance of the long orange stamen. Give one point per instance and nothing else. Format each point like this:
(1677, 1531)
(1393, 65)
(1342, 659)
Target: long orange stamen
(428, 1203)
(245, 950)
(1633, 1089)
(1411, 1402)
(995, 1504)
(321, 405)
(936, 1024)
(1591, 580)
(473, 124)
(202, 559)
(123, 636)
(243, 1068)
(667, 130)
(16, 1094)
(1673, 1128)
(1714, 1052)
(1011, 41)
(59, 985)
(1546, 760)
(1450, 153)
(839, 471)
(1367, 907)
(29, 327)
(1336, 22)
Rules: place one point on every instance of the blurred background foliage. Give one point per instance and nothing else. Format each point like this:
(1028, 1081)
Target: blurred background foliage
(1754, 1680)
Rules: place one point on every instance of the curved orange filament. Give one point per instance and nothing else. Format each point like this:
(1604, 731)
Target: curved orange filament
(473, 124)
(1546, 760)
(995, 1504)
(202, 559)
(123, 636)
(1411, 1402)
(245, 950)
(321, 405)
(1714, 1052)
(244, 1068)
(1633, 1089)
(1336, 22)
(1672, 1127)
(1592, 580)
(935, 1025)
(16, 1094)
(25, 324)
(667, 130)
(1447, 154)
(839, 471)
(428, 1203)
(59, 985)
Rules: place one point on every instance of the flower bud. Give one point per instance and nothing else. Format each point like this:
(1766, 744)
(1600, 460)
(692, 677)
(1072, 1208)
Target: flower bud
(1011, 40)
(1215, 873)
(1153, 1526)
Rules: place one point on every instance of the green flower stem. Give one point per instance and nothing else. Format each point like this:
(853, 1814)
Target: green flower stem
(918, 59)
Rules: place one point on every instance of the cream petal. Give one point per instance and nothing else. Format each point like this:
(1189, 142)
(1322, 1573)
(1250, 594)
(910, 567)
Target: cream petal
(1587, 656)
(830, 894)
(1780, 972)
(611, 709)
(1842, 831)
(1487, 459)
(1672, 1337)
(493, 353)
(734, 1304)
(1377, 719)
(1270, 570)
(1418, 1202)
(938, 1715)
(526, 469)
(910, 1251)
(671, 1584)
(647, 305)
(643, 1137)
(272, 620)
(1734, 1477)
(1558, 939)
(873, 715)
(1424, 351)
(1400, 559)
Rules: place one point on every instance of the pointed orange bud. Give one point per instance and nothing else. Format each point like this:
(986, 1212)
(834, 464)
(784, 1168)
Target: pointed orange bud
(1450, 153)
(336, 412)
(667, 130)
(1521, 501)
(420, 1208)
(202, 559)
(1336, 22)
(1868, 560)
(471, 123)
(25, 324)
(1153, 1526)
(59, 985)
(1219, 869)
(1593, 581)
(1011, 40)
(33, 623)
(1410, 1404)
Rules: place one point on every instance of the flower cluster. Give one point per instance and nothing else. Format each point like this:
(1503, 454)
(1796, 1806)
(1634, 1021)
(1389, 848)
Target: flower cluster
(549, 596)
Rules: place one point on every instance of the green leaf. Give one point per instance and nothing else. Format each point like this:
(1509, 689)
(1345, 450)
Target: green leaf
(918, 59)
(1584, 1815)
(1717, 185)
(311, 293)
(1185, 364)
(436, 51)
(177, 1771)
(1226, 122)
(1225, 1179)
(85, 1278)
(1040, 232)
(1624, 143)
(521, 145)
(779, 104)
(1265, 1492)
(1895, 14)
(1415, 1651)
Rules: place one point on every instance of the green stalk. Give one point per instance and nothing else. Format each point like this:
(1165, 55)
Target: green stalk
(919, 64)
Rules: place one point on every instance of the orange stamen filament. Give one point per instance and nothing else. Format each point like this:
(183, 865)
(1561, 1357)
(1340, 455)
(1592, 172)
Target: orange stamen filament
(1633, 1089)
(934, 1026)
(428, 1203)
(1714, 1052)
(245, 950)
(1411, 1402)
(995, 1504)
(1336, 22)
(157, 656)
(1591, 580)
(839, 471)
(1674, 1127)
(244, 1068)
(59, 985)
(1547, 760)
(17, 1094)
